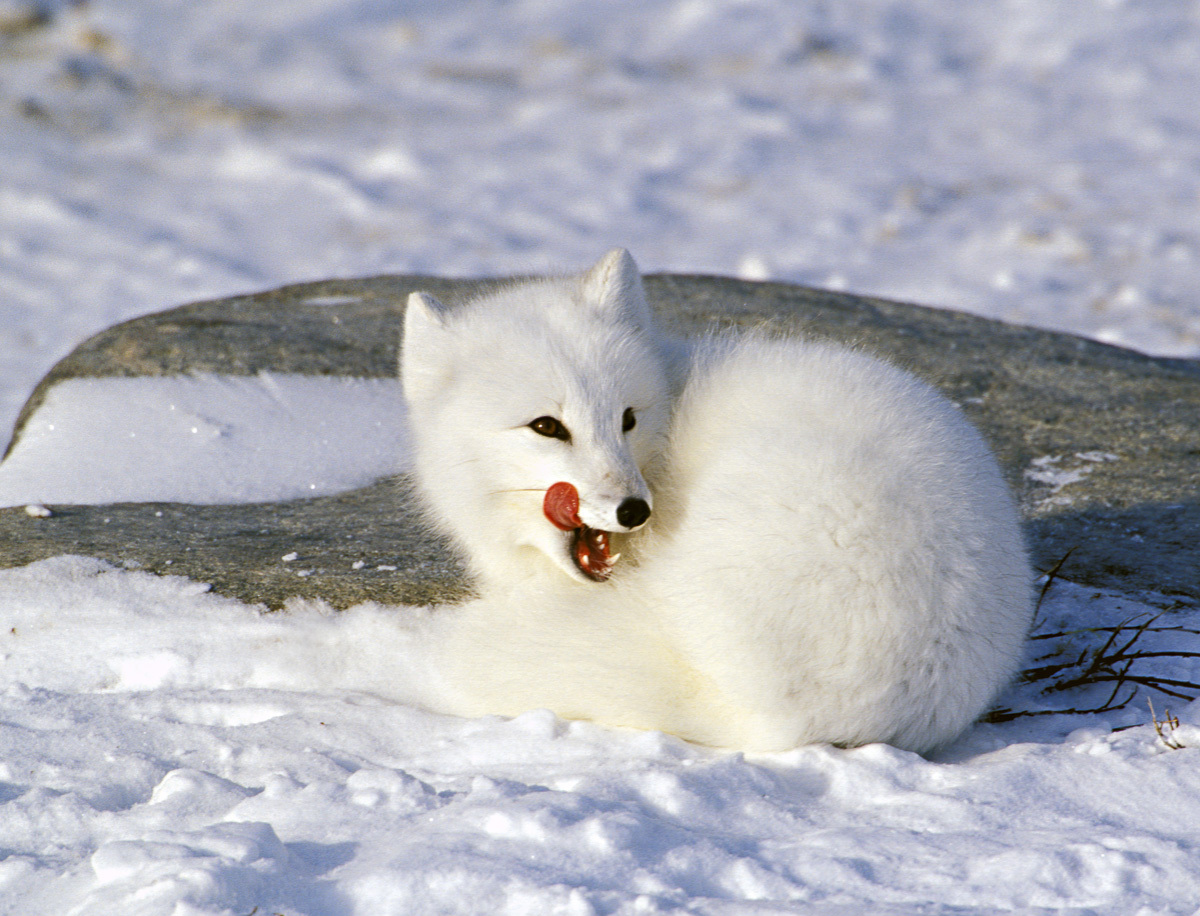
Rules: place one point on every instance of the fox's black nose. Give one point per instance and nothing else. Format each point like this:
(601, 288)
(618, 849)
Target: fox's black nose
(633, 512)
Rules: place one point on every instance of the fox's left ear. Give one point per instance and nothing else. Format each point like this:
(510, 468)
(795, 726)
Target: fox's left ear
(614, 284)
(423, 361)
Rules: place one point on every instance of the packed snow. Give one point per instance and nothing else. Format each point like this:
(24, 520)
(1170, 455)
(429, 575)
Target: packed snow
(165, 750)
(206, 439)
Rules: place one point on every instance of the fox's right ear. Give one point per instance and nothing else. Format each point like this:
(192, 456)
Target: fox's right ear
(423, 363)
(614, 284)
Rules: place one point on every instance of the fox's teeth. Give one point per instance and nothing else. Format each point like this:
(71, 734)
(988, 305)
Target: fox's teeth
(585, 560)
(613, 559)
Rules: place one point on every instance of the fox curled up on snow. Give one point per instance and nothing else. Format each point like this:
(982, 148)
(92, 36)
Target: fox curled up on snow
(813, 545)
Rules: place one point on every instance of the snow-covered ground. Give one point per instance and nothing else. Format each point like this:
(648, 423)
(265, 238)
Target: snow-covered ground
(207, 440)
(167, 751)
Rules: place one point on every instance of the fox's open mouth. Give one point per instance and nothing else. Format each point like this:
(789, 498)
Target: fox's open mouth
(590, 551)
(590, 547)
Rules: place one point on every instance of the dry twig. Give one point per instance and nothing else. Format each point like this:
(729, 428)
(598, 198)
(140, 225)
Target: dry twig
(1111, 662)
(1166, 728)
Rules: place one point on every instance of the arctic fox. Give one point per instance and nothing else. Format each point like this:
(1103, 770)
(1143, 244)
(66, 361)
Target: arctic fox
(817, 546)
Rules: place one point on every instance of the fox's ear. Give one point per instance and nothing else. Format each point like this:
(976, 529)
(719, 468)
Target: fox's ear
(423, 362)
(614, 284)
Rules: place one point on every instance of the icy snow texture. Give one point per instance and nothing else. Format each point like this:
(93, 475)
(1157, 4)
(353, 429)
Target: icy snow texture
(1035, 161)
(166, 751)
(163, 750)
(206, 439)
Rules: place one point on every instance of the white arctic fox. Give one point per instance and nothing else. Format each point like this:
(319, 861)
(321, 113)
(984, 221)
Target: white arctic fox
(819, 548)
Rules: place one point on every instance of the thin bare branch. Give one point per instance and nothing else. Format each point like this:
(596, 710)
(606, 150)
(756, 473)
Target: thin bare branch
(1051, 575)
(1117, 661)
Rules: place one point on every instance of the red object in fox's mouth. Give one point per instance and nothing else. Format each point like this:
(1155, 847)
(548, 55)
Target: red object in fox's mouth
(589, 546)
(561, 506)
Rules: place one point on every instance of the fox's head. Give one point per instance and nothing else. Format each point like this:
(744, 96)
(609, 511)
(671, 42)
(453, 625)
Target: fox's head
(536, 412)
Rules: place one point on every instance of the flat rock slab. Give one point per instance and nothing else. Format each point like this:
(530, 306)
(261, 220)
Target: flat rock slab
(1102, 445)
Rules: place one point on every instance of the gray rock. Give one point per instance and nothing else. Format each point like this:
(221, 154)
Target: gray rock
(246, 551)
(1101, 445)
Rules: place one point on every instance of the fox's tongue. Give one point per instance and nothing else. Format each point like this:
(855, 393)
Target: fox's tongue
(589, 547)
(561, 506)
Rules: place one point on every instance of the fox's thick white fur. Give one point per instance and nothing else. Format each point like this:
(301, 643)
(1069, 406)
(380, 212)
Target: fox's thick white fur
(833, 555)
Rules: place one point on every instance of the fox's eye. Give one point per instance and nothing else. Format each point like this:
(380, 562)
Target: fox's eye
(628, 420)
(551, 428)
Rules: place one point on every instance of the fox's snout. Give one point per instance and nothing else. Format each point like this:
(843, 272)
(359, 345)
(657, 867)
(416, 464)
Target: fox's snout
(629, 514)
(633, 512)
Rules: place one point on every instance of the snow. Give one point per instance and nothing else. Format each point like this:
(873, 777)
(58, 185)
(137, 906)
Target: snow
(206, 439)
(1057, 472)
(164, 750)
(1022, 159)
